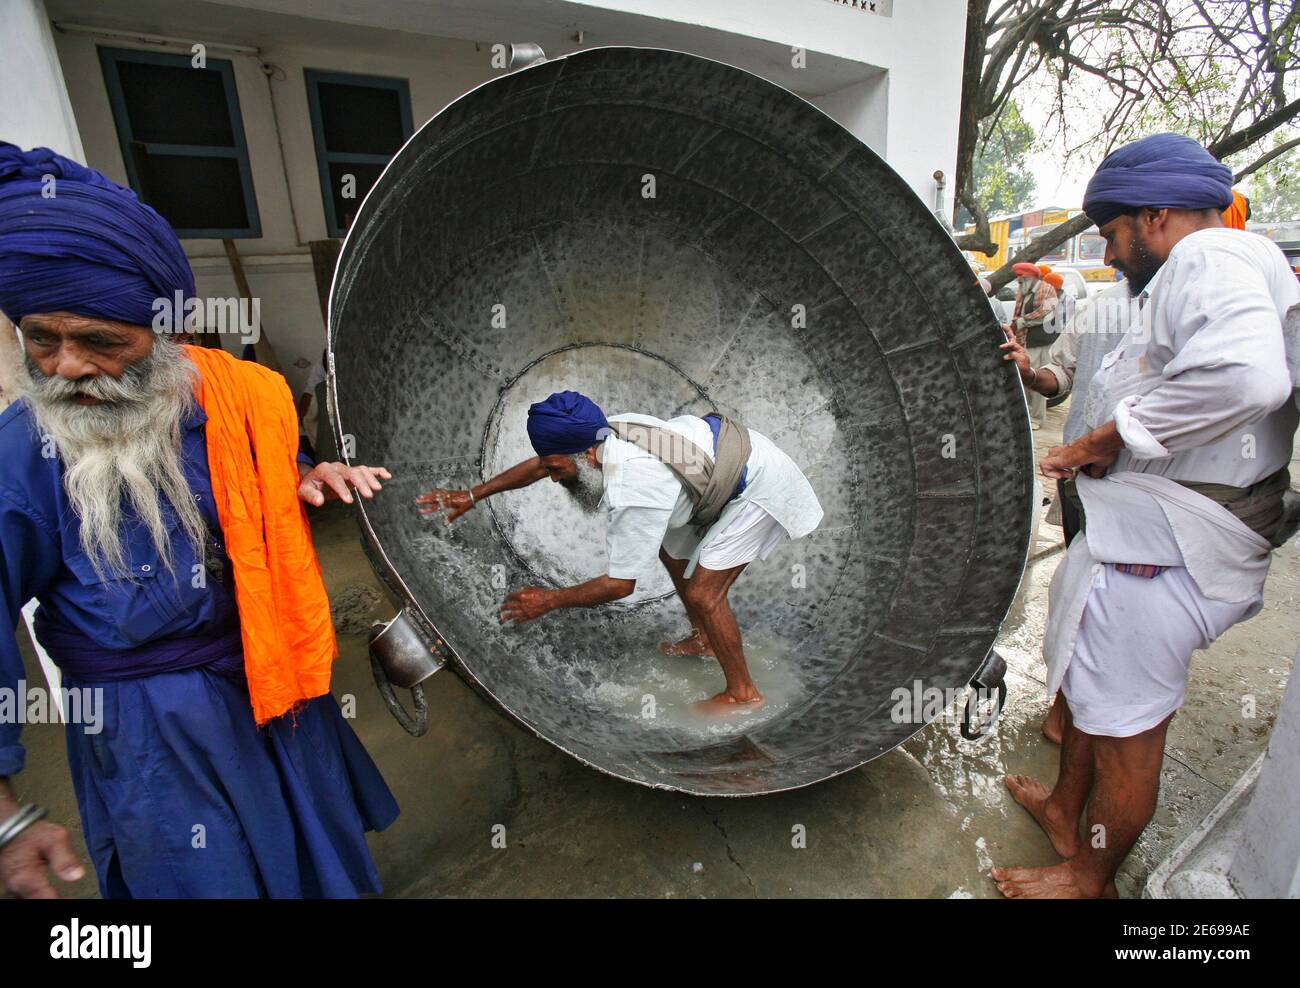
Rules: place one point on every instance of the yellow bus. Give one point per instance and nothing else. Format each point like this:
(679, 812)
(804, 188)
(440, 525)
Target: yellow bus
(1084, 251)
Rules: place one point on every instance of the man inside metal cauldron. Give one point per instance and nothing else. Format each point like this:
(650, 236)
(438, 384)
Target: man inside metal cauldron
(704, 495)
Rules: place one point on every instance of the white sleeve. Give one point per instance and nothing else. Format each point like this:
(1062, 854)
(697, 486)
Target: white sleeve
(633, 540)
(1226, 365)
(1062, 360)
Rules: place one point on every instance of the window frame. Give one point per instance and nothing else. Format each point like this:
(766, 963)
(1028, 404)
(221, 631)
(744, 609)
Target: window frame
(324, 157)
(109, 59)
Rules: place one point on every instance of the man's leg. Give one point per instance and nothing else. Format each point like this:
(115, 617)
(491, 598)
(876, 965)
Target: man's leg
(697, 642)
(1059, 810)
(1053, 724)
(1037, 403)
(1129, 670)
(706, 596)
(1123, 802)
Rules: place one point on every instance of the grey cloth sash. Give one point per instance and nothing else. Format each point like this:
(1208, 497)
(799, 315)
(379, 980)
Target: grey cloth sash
(1259, 507)
(710, 482)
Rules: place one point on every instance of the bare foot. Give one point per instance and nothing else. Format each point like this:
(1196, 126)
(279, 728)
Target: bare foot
(1052, 724)
(1062, 881)
(1032, 795)
(724, 703)
(696, 643)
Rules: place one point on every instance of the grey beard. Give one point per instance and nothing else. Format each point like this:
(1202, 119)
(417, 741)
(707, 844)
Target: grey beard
(588, 487)
(126, 450)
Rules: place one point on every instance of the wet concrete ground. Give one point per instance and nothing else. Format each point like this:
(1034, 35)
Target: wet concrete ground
(928, 819)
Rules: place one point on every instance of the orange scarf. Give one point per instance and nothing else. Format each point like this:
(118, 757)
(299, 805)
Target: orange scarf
(284, 614)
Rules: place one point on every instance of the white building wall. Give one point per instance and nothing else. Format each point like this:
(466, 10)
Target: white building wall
(35, 105)
(863, 109)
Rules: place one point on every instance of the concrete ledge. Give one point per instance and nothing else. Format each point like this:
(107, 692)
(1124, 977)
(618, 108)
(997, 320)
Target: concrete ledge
(1198, 867)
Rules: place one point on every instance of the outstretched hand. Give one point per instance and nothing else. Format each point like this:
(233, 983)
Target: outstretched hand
(330, 481)
(525, 604)
(455, 503)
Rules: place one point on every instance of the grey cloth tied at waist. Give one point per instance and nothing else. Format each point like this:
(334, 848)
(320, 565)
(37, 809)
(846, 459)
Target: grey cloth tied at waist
(710, 482)
(1259, 507)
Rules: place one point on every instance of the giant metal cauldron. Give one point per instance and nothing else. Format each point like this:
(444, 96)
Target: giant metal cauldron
(669, 234)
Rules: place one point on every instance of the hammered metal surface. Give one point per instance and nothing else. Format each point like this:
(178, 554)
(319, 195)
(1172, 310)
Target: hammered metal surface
(511, 249)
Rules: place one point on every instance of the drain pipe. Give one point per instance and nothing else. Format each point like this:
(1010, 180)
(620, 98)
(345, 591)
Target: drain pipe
(524, 54)
(941, 200)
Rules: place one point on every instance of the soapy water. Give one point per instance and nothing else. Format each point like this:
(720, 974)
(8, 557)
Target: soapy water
(658, 690)
(639, 691)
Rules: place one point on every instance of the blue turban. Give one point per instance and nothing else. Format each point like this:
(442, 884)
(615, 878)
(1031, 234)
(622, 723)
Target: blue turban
(1163, 171)
(566, 422)
(77, 242)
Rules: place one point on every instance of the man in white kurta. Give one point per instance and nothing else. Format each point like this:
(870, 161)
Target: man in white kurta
(1198, 393)
(649, 522)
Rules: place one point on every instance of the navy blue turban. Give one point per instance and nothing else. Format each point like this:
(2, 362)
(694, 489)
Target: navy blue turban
(566, 422)
(73, 241)
(1163, 171)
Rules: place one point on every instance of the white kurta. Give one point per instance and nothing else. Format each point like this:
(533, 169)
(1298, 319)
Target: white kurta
(648, 506)
(1199, 390)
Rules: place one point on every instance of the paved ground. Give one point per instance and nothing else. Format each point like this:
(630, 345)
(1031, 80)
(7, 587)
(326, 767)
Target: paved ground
(925, 820)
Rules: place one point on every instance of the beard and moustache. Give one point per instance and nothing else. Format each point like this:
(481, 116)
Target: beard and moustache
(124, 451)
(588, 487)
(1143, 268)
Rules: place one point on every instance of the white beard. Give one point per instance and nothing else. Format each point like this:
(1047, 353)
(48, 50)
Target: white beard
(588, 487)
(125, 450)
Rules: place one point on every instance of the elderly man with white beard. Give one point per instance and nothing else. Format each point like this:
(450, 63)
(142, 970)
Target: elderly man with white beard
(151, 502)
(702, 495)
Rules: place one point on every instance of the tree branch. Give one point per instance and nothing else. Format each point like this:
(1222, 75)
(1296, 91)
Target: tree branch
(1262, 127)
(1039, 246)
(980, 242)
(1263, 160)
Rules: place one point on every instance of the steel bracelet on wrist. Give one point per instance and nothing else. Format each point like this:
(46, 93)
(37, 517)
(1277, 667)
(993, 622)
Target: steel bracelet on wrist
(20, 821)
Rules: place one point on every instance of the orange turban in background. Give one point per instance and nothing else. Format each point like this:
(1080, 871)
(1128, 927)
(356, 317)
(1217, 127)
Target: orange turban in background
(1055, 280)
(1238, 213)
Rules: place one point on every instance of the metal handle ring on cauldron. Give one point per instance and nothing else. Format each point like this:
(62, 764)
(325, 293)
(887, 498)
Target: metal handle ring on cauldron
(416, 726)
(401, 656)
(992, 674)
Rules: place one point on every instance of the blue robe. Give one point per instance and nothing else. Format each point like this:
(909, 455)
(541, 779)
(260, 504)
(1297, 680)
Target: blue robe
(180, 793)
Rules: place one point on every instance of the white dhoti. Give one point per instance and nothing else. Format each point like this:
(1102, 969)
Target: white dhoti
(1119, 646)
(750, 534)
(1134, 645)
